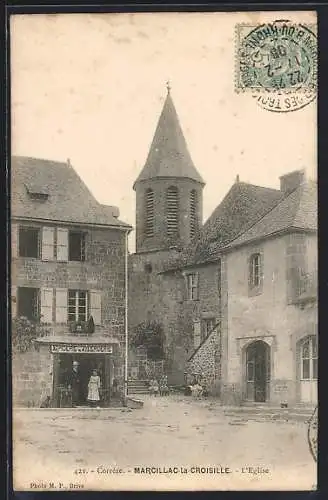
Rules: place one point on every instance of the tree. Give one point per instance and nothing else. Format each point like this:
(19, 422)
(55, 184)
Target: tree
(150, 335)
(24, 332)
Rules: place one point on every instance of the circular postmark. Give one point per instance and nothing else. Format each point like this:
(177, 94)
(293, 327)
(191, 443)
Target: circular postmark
(277, 63)
(313, 434)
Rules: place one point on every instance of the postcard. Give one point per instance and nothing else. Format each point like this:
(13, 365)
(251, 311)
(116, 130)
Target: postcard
(164, 251)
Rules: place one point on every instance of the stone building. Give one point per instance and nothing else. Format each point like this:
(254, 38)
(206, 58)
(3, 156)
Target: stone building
(68, 266)
(236, 296)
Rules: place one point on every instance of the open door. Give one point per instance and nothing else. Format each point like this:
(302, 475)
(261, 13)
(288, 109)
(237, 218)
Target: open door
(257, 371)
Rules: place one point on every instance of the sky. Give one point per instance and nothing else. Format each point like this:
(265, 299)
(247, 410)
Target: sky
(90, 88)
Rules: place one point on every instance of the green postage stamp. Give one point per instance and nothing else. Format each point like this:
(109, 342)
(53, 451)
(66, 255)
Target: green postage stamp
(279, 57)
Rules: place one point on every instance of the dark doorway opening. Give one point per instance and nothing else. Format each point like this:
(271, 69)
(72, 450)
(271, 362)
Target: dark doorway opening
(86, 363)
(257, 371)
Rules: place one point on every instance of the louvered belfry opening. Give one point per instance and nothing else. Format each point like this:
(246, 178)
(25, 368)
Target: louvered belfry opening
(172, 211)
(193, 212)
(149, 220)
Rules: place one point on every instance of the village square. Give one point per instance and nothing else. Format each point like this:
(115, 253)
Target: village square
(203, 341)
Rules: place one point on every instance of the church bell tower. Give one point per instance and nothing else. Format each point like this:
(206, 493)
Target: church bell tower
(168, 190)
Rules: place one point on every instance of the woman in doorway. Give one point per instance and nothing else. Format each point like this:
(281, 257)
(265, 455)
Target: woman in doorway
(93, 389)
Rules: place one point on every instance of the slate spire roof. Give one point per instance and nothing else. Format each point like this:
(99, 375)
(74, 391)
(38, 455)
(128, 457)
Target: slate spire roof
(51, 190)
(168, 155)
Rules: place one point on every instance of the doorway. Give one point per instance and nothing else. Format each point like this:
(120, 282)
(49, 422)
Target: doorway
(63, 365)
(257, 371)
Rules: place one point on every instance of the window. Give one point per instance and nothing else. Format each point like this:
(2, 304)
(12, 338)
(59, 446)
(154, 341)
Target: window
(76, 246)
(172, 211)
(219, 277)
(77, 305)
(192, 286)
(149, 215)
(309, 359)
(193, 212)
(208, 327)
(28, 303)
(29, 242)
(255, 271)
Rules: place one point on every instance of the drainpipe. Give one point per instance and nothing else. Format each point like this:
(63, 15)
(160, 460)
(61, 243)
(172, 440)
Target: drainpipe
(126, 321)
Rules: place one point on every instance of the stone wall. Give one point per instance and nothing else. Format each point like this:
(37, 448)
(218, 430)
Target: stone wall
(206, 363)
(154, 296)
(32, 376)
(102, 270)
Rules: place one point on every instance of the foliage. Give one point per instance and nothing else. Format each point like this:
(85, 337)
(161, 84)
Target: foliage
(150, 335)
(24, 332)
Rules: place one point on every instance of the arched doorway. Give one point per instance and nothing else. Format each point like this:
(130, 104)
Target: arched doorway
(257, 360)
(308, 369)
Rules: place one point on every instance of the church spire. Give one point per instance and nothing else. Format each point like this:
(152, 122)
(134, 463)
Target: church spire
(168, 154)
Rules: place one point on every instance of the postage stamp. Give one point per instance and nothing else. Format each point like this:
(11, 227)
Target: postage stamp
(277, 62)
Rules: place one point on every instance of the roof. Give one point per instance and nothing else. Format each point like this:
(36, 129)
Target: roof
(242, 206)
(297, 211)
(168, 155)
(65, 197)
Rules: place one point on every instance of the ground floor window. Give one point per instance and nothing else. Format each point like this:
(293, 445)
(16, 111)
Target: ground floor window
(77, 305)
(309, 358)
(28, 302)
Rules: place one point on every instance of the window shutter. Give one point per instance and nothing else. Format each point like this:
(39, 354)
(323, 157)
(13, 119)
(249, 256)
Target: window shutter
(14, 240)
(62, 244)
(197, 285)
(48, 243)
(61, 305)
(46, 305)
(95, 306)
(13, 301)
(197, 334)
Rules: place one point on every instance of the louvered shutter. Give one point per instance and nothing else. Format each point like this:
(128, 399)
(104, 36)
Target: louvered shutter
(95, 306)
(197, 334)
(13, 301)
(62, 244)
(46, 305)
(61, 305)
(48, 243)
(14, 240)
(196, 286)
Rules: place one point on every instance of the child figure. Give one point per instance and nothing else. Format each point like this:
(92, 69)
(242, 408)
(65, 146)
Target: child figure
(154, 387)
(93, 389)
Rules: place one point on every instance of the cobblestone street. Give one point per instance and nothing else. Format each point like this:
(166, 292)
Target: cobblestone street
(100, 449)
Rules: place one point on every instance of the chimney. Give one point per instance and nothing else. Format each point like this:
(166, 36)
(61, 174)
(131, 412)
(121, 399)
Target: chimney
(115, 212)
(291, 181)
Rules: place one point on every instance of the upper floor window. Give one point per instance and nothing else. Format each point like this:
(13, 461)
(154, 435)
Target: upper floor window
(149, 216)
(219, 276)
(192, 286)
(255, 271)
(51, 243)
(76, 246)
(29, 242)
(172, 211)
(309, 358)
(193, 212)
